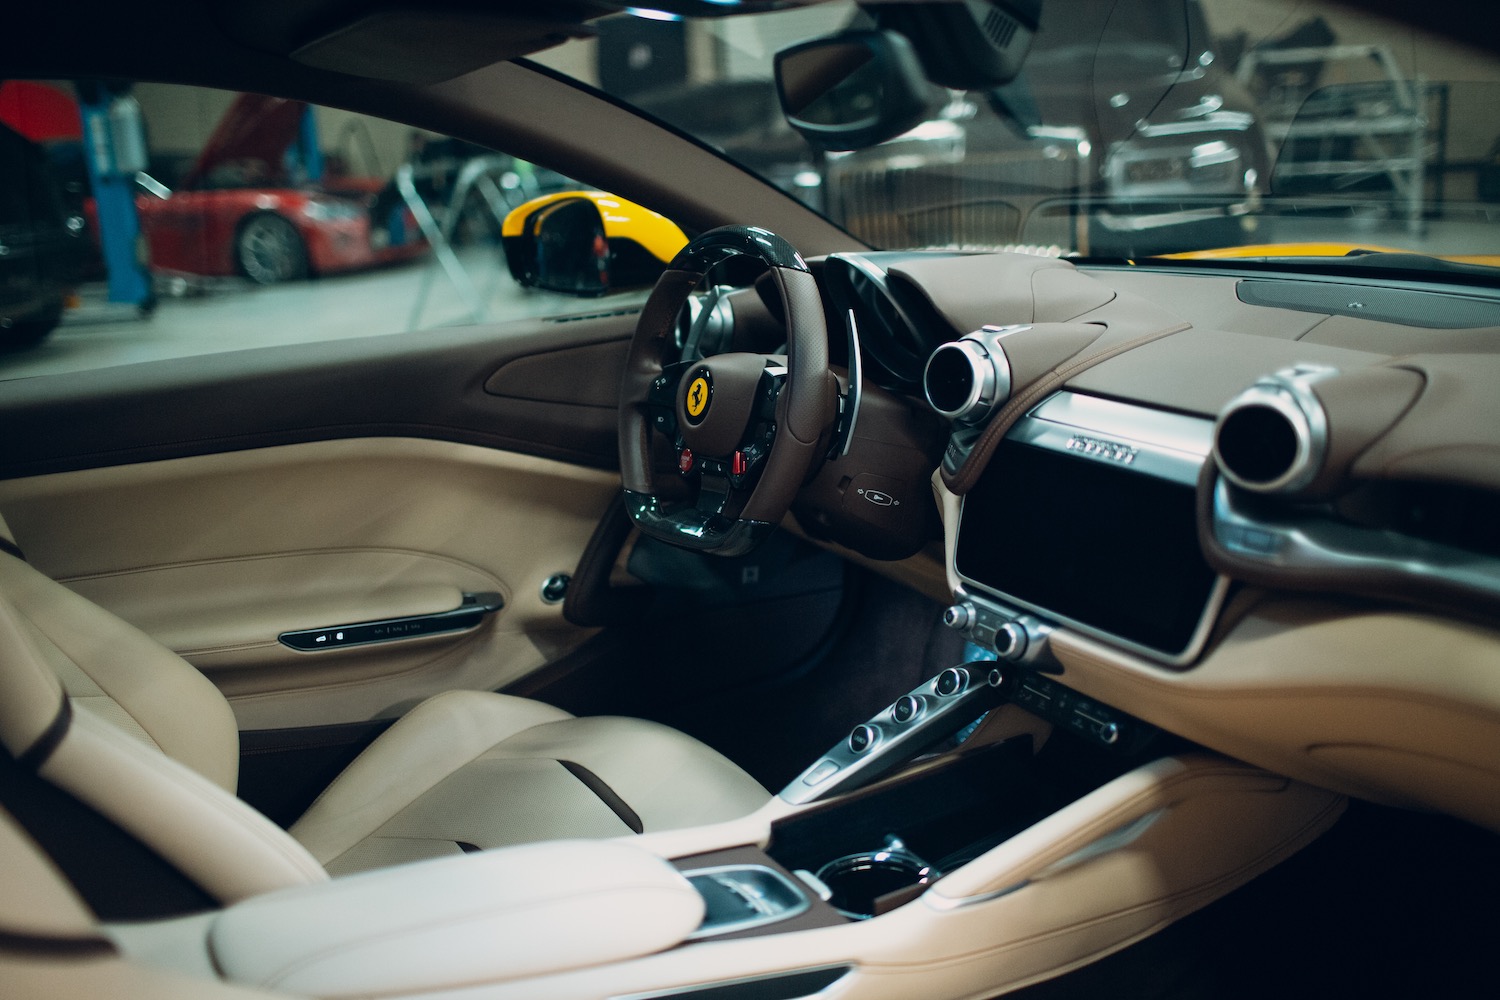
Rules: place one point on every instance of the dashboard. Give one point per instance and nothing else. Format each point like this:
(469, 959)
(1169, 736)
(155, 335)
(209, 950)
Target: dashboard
(1253, 508)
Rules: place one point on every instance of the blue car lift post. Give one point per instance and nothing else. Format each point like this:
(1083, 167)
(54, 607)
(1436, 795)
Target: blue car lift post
(115, 151)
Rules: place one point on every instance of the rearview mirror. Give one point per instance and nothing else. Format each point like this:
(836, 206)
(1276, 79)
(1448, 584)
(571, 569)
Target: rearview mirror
(860, 88)
(587, 243)
(852, 90)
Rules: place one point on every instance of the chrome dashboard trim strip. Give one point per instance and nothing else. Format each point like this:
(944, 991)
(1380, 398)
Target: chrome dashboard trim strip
(1161, 429)
(764, 912)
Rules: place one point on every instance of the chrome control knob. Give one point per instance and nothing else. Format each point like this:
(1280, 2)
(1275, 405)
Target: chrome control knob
(959, 616)
(907, 708)
(951, 681)
(863, 738)
(1010, 641)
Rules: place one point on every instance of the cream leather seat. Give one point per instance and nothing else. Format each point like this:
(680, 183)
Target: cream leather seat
(126, 726)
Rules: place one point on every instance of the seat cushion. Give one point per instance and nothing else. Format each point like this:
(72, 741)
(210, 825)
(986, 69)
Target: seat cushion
(471, 769)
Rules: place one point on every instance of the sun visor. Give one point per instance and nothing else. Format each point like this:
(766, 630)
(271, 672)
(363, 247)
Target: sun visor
(427, 46)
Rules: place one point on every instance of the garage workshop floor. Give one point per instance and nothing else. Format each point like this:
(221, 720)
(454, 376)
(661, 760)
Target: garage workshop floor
(206, 316)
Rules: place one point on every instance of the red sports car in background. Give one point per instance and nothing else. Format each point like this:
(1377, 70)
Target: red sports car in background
(240, 210)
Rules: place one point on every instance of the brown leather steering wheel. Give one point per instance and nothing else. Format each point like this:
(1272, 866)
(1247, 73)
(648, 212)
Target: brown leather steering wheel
(737, 432)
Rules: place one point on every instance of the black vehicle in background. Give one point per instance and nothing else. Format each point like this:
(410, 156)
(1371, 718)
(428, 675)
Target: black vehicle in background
(1124, 135)
(41, 245)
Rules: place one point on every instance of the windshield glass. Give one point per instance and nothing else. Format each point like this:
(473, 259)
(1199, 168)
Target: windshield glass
(1136, 128)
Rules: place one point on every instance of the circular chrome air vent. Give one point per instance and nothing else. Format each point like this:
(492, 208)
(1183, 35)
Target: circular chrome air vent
(956, 378)
(965, 379)
(1273, 437)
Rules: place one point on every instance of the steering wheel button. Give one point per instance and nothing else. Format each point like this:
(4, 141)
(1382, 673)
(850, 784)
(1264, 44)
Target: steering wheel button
(738, 464)
(685, 461)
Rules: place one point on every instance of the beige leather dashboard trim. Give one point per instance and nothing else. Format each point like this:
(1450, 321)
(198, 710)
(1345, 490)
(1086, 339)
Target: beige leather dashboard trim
(204, 551)
(1397, 706)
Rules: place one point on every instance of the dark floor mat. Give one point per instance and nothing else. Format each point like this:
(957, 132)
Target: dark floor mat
(890, 642)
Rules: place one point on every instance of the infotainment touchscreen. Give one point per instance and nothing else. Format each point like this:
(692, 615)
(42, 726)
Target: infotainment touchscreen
(1089, 542)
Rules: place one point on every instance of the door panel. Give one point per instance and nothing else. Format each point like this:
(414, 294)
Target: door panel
(430, 384)
(215, 555)
(220, 500)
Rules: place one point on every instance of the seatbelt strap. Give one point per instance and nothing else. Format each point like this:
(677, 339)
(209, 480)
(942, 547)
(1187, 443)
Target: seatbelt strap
(8, 541)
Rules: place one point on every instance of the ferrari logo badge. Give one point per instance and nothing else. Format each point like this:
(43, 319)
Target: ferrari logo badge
(697, 397)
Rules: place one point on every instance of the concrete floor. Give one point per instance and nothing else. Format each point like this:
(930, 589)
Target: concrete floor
(227, 314)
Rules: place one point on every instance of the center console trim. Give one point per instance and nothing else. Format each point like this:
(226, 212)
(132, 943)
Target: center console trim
(772, 915)
(828, 975)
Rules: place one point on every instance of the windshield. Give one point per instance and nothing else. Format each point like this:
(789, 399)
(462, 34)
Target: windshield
(1136, 128)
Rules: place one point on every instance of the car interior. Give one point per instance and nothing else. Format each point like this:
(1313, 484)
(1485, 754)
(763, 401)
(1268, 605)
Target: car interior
(961, 623)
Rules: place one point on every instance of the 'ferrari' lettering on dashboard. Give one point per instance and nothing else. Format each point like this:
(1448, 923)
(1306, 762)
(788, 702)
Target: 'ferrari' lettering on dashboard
(1110, 450)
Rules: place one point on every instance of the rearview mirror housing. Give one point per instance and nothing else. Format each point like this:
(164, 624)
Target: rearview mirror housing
(861, 88)
(967, 44)
(852, 90)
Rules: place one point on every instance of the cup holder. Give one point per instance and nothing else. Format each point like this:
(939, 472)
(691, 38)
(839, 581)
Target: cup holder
(865, 884)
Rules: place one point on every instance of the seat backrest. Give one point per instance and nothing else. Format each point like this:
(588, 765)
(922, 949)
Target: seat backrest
(93, 708)
(113, 670)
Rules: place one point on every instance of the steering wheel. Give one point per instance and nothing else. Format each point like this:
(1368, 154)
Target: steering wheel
(713, 451)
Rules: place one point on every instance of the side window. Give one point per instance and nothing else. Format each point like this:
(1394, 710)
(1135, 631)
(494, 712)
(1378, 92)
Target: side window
(153, 221)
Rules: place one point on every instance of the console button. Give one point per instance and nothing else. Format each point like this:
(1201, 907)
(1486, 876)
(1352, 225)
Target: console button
(1010, 641)
(821, 773)
(951, 681)
(907, 708)
(959, 616)
(863, 738)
